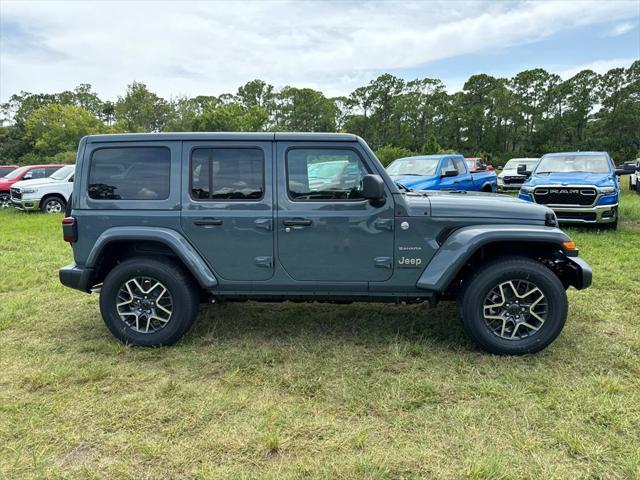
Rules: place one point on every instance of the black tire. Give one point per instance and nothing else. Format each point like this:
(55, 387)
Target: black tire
(183, 292)
(498, 271)
(5, 200)
(53, 205)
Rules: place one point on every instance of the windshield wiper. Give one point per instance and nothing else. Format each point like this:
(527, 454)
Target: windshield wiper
(402, 187)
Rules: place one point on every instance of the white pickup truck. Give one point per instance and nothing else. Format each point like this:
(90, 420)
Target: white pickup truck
(49, 194)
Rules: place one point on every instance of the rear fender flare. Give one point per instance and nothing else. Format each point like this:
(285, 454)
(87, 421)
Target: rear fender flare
(172, 239)
(458, 248)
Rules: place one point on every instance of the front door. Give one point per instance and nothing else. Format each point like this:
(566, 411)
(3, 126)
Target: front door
(327, 232)
(227, 206)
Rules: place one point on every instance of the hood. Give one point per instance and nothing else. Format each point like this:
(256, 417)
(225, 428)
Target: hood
(478, 205)
(36, 182)
(4, 182)
(414, 181)
(574, 178)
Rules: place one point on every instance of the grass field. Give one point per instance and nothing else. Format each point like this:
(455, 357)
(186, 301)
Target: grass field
(315, 391)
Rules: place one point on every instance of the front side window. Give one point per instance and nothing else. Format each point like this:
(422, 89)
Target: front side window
(324, 174)
(130, 173)
(227, 174)
(36, 173)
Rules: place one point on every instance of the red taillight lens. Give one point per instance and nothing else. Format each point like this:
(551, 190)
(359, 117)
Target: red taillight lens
(69, 230)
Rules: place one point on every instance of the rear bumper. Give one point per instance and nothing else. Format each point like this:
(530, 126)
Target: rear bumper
(583, 272)
(75, 277)
(597, 214)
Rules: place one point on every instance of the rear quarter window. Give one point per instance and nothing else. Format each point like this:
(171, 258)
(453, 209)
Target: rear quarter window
(130, 173)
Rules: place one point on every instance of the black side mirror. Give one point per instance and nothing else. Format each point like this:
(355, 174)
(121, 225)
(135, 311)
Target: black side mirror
(522, 170)
(372, 187)
(625, 169)
(449, 173)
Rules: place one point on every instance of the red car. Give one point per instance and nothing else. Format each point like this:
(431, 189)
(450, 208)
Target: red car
(6, 169)
(29, 172)
(477, 164)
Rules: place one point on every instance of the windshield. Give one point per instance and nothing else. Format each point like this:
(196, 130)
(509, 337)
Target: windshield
(573, 163)
(514, 162)
(63, 173)
(16, 173)
(409, 166)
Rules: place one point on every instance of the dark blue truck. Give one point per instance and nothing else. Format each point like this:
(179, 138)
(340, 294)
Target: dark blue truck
(161, 222)
(440, 172)
(580, 187)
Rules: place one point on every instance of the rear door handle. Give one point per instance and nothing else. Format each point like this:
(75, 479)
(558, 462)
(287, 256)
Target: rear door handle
(208, 222)
(297, 222)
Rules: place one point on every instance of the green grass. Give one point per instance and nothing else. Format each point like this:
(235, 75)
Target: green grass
(320, 391)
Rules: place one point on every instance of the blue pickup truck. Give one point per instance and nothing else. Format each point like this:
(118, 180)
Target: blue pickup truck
(440, 172)
(581, 187)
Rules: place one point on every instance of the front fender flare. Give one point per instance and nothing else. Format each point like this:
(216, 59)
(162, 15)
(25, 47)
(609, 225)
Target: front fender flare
(464, 242)
(172, 239)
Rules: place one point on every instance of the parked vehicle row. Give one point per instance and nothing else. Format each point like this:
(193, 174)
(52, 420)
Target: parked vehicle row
(634, 178)
(33, 187)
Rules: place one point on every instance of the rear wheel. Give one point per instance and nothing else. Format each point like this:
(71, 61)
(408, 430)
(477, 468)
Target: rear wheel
(53, 205)
(513, 306)
(149, 302)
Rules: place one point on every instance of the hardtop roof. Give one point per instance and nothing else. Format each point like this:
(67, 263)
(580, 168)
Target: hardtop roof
(223, 136)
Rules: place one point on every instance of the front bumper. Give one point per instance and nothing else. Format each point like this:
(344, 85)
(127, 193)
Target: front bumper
(509, 187)
(26, 204)
(75, 277)
(597, 214)
(582, 271)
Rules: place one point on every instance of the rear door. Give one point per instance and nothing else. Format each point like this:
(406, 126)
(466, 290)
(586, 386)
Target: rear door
(227, 206)
(326, 231)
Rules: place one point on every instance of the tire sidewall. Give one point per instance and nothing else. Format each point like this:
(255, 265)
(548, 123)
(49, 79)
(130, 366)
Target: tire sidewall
(543, 278)
(184, 302)
(53, 199)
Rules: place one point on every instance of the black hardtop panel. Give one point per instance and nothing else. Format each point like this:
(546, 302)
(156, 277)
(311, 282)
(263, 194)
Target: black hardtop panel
(224, 136)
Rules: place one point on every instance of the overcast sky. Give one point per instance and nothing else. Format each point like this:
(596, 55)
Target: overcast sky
(209, 48)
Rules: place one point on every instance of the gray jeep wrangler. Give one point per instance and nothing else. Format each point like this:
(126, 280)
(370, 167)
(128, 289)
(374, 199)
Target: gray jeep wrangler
(161, 222)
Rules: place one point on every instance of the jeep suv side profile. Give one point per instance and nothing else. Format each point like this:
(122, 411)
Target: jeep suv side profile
(159, 222)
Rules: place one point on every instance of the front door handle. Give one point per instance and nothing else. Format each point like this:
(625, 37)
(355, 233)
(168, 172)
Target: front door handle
(208, 222)
(297, 222)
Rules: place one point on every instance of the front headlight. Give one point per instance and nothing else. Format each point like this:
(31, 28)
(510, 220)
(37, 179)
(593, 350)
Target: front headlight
(526, 189)
(29, 190)
(607, 190)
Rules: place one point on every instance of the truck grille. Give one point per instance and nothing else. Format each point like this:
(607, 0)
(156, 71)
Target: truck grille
(565, 196)
(588, 216)
(15, 194)
(513, 180)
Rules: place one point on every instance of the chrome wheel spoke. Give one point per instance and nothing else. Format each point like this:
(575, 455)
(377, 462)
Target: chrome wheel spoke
(515, 309)
(144, 304)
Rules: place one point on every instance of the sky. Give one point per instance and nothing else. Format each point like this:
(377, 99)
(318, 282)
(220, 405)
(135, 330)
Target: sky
(213, 47)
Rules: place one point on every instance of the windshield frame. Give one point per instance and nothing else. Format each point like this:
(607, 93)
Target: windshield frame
(433, 172)
(71, 168)
(16, 173)
(563, 158)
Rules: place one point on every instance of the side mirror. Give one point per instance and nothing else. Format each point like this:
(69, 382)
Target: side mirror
(27, 176)
(522, 170)
(625, 169)
(449, 173)
(372, 187)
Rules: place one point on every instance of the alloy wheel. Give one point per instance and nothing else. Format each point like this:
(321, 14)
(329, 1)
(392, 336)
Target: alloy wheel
(144, 304)
(53, 206)
(5, 201)
(515, 309)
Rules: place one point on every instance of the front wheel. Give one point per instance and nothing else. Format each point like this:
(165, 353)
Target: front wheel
(5, 200)
(53, 205)
(149, 302)
(513, 306)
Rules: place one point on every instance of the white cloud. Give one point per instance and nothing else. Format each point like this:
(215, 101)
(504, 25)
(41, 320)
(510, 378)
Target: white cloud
(214, 47)
(620, 29)
(598, 66)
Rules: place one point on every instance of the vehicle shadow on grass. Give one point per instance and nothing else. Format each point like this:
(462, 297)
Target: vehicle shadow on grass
(358, 323)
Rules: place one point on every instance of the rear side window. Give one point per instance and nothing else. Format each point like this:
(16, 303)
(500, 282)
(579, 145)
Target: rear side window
(324, 174)
(130, 173)
(227, 174)
(34, 173)
(459, 163)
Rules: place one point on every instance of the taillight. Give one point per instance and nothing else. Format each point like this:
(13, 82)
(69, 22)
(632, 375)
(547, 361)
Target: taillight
(69, 229)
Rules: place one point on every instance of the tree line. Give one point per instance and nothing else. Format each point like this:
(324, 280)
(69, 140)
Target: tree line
(527, 115)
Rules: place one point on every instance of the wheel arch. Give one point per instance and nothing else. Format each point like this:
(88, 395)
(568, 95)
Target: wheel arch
(48, 196)
(120, 243)
(468, 247)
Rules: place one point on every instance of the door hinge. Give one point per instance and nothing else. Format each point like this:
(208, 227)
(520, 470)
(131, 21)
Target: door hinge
(264, 223)
(384, 224)
(383, 262)
(266, 262)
